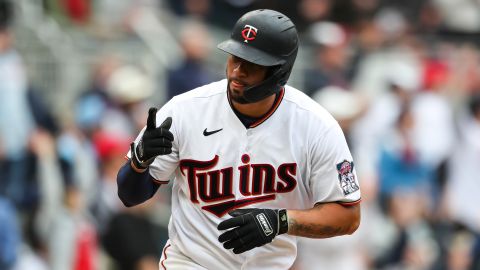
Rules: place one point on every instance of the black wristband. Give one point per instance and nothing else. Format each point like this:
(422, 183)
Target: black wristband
(282, 221)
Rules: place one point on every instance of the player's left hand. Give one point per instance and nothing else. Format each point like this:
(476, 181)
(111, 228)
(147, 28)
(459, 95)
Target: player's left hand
(252, 228)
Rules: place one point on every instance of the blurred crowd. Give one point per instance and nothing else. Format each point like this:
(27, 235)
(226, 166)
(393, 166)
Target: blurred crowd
(401, 77)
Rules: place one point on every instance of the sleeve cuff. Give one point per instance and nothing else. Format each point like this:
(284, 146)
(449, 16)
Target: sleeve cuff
(351, 203)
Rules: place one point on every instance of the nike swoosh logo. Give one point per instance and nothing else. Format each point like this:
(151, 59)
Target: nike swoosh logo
(208, 133)
(220, 209)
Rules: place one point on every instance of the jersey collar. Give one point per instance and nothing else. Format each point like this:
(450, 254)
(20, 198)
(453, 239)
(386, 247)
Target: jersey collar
(267, 115)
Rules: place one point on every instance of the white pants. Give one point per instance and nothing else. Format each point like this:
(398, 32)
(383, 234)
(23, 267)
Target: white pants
(173, 259)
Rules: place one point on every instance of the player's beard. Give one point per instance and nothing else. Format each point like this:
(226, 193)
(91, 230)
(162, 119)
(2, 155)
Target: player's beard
(235, 95)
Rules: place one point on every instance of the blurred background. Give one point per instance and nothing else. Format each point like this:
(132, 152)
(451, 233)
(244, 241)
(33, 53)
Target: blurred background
(402, 77)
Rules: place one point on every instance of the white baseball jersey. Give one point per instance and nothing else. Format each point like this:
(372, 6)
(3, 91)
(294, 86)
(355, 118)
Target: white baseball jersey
(293, 157)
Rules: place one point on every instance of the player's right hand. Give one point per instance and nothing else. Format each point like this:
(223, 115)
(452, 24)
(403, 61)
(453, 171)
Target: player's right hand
(252, 227)
(155, 141)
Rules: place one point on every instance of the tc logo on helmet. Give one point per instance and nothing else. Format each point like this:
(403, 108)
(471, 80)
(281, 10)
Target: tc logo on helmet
(249, 33)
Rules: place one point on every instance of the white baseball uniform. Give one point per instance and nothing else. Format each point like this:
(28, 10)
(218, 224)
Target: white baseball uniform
(293, 157)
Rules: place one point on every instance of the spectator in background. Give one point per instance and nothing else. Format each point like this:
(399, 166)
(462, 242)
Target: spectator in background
(33, 253)
(330, 58)
(312, 11)
(16, 120)
(409, 241)
(344, 105)
(400, 167)
(434, 132)
(463, 184)
(111, 106)
(133, 240)
(78, 10)
(196, 43)
(72, 241)
(79, 158)
(9, 234)
(304, 12)
(93, 102)
(22, 115)
(129, 88)
(401, 81)
(402, 71)
(379, 47)
(197, 9)
(367, 38)
(225, 11)
(72, 11)
(433, 112)
(219, 13)
(462, 250)
(76, 141)
(469, 22)
(109, 147)
(429, 20)
(110, 17)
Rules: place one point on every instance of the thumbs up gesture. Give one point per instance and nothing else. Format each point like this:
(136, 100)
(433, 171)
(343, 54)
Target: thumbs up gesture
(155, 141)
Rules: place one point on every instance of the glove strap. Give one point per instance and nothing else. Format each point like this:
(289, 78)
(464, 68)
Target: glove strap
(282, 221)
(136, 161)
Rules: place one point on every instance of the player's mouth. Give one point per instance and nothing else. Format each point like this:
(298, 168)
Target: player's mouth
(237, 85)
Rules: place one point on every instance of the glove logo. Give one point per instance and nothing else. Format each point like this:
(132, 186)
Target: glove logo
(249, 33)
(267, 228)
(141, 152)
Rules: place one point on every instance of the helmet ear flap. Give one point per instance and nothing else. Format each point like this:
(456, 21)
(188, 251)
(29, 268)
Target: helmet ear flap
(277, 77)
(271, 85)
(272, 70)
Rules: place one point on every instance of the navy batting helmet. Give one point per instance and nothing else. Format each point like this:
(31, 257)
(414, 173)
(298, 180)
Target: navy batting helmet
(267, 38)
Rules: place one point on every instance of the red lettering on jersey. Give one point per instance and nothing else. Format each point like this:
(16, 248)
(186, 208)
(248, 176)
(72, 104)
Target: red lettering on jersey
(257, 182)
(286, 173)
(209, 185)
(263, 174)
(245, 180)
(192, 166)
(245, 176)
(221, 209)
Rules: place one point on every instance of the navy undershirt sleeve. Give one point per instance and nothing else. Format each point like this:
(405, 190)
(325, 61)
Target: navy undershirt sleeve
(133, 187)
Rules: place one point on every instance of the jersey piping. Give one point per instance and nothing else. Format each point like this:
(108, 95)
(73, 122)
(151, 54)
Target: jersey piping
(351, 203)
(165, 256)
(270, 112)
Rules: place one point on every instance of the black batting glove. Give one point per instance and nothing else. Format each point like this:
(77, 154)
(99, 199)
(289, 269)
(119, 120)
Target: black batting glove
(252, 228)
(155, 141)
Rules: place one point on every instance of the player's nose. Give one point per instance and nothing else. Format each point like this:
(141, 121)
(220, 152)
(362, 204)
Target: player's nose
(239, 70)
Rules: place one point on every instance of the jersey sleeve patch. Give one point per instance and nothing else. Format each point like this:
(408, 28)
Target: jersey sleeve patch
(347, 177)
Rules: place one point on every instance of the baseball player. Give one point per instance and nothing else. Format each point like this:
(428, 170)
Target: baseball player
(254, 162)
